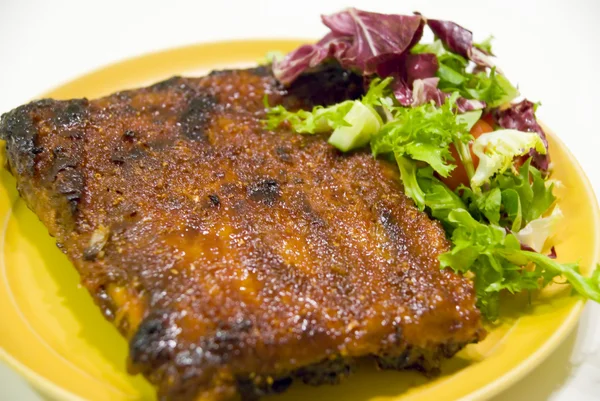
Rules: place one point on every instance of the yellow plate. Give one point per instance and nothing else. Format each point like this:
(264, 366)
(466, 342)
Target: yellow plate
(52, 333)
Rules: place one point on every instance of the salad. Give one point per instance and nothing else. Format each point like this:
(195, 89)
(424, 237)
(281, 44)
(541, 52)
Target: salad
(469, 149)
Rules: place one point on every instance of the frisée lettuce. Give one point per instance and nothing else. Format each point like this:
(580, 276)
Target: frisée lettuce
(497, 150)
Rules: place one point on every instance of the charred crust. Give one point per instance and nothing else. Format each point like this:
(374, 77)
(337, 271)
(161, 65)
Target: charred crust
(389, 223)
(129, 135)
(166, 84)
(149, 347)
(252, 389)
(196, 118)
(63, 160)
(118, 157)
(227, 336)
(18, 129)
(73, 113)
(427, 361)
(329, 371)
(214, 200)
(261, 71)
(265, 191)
(395, 362)
(284, 154)
(335, 85)
(68, 181)
(70, 184)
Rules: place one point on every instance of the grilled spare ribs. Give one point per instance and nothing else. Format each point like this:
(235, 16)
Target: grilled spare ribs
(235, 259)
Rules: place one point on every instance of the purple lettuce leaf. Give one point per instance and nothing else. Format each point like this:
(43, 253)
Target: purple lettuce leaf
(426, 90)
(521, 116)
(307, 57)
(406, 71)
(459, 40)
(402, 92)
(373, 43)
(358, 40)
(420, 66)
(377, 37)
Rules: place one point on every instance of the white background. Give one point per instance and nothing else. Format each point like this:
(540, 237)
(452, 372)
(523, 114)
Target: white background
(550, 48)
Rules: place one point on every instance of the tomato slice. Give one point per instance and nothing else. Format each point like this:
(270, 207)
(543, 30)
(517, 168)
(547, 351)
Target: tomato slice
(488, 118)
(459, 174)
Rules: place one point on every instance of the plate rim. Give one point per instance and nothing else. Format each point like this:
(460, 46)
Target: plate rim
(489, 390)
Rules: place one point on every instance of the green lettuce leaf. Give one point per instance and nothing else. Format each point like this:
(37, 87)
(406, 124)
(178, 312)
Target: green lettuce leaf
(539, 231)
(487, 86)
(408, 175)
(525, 196)
(353, 122)
(438, 198)
(423, 133)
(492, 88)
(485, 45)
(270, 57)
(496, 151)
(320, 119)
(496, 260)
(511, 200)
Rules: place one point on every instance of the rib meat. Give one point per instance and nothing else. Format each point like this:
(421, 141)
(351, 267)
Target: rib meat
(235, 259)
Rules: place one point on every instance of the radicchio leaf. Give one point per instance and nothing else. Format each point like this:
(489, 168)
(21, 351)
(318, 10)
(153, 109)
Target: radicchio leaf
(358, 40)
(309, 56)
(402, 92)
(420, 66)
(459, 40)
(426, 90)
(406, 71)
(521, 116)
(373, 43)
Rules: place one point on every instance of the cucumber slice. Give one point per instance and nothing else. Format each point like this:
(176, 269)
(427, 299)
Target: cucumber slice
(364, 123)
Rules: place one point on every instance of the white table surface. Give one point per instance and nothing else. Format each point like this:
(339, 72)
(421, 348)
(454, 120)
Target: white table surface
(550, 48)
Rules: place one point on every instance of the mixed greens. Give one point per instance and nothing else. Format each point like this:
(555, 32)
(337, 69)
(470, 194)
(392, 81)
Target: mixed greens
(468, 152)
